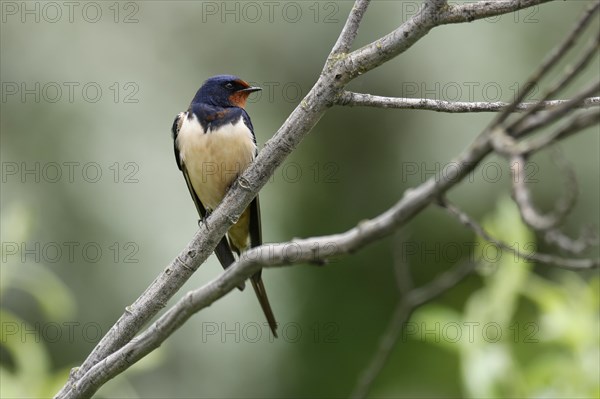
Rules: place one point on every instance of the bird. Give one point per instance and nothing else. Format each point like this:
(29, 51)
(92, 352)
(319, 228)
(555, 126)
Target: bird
(214, 143)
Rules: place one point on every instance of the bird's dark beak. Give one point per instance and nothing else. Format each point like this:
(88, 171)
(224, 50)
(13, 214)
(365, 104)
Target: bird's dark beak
(251, 89)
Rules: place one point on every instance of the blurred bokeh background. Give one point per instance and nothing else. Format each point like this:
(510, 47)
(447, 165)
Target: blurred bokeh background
(93, 205)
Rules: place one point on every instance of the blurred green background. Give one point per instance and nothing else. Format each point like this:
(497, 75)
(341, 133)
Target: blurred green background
(93, 205)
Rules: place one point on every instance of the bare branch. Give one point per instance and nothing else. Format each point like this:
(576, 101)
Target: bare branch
(388, 339)
(548, 223)
(405, 307)
(350, 30)
(352, 99)
(588, 238)
(440, 284)
(566, 263)
(387, 342)
(430, 16)
(551, 60)
(471, 11)
(574, 125)
(522, 197)
(571, 73)
(540, 120)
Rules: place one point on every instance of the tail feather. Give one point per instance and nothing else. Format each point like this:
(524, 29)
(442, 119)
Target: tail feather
(226, 258)
(261, 294)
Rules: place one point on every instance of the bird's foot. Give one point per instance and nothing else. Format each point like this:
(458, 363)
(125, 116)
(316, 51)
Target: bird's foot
(203, 221)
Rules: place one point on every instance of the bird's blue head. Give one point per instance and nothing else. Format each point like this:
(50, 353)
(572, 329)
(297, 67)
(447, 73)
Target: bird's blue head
(224, 91)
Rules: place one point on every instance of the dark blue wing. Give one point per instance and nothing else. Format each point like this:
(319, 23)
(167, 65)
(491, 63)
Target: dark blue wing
(174, 132)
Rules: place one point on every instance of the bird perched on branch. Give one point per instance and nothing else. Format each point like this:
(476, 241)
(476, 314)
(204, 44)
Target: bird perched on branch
(214, 143)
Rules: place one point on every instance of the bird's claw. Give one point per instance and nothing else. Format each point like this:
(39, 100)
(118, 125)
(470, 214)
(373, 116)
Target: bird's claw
(203, 221)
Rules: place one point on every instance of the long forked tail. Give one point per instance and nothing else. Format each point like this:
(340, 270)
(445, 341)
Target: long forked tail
(261, 294)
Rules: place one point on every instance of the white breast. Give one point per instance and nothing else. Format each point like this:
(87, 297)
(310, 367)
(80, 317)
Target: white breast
(214, 159)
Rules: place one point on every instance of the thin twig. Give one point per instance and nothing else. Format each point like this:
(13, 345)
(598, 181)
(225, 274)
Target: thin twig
(550, 61)
(522, 197)
(352, 99)
(571, 72)
(540, 120)
(574, 125)
(548, 223)
(387, 342)
(566, 263)
(588, 238)
(405, 307)
(350, 29)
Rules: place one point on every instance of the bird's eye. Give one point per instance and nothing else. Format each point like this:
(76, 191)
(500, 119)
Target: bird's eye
(229, 86)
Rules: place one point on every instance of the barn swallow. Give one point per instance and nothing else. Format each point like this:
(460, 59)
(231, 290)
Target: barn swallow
(214, 143)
